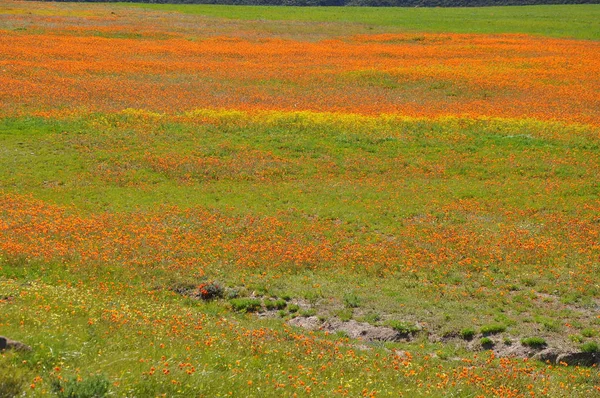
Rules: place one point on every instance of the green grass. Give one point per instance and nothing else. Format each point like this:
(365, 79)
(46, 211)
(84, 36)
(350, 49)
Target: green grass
(576, 21)
(112, 225)
(315, 174)
(534, 342)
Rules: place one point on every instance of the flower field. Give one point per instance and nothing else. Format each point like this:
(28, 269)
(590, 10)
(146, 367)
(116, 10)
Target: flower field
(190, 204)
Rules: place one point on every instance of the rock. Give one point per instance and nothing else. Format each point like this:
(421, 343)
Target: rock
(579, 358)
(514, 351)
(547, 355)
(8, 344)
(310, 323)
(364, 331)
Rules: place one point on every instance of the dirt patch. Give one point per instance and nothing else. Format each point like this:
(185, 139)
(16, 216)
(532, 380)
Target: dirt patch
(353, 329)
(309, 323)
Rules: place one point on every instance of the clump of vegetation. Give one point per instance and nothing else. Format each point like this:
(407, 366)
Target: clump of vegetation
(372, 318)
(550, 325)
(534, 342)
(351, 301)
(590, 346)
(492, 329)
(575, 338)
(309, 312)
(245, 304)
(402, 327)
(292, 308)
(92, 387)
(486, 343)
(275, 304)
(210, 291)
(467, 333)
(345, 314)
(286, 296)
(588, 332)
(12, 381)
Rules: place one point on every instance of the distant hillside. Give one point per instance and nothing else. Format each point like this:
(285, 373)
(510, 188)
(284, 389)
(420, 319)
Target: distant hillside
(370, 3)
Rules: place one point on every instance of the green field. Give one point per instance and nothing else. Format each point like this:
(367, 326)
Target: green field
(577, 21)
(195, 206)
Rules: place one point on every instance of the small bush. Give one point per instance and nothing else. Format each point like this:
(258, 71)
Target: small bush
(467, 334)
(534, 342)
(492, 329)
(486, 343)
(210, 291)
(590, 347)
(245, 305)
(93, 387)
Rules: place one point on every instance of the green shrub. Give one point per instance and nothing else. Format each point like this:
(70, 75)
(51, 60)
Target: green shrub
(92, 387)
(493, 329)
(245, 304)
(590, 347)
(534, 342)
(467, 333)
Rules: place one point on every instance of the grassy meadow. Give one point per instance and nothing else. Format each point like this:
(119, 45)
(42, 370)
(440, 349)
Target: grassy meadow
(215, 201)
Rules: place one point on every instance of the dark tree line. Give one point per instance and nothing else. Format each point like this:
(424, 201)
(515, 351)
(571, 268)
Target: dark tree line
(370, 3)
